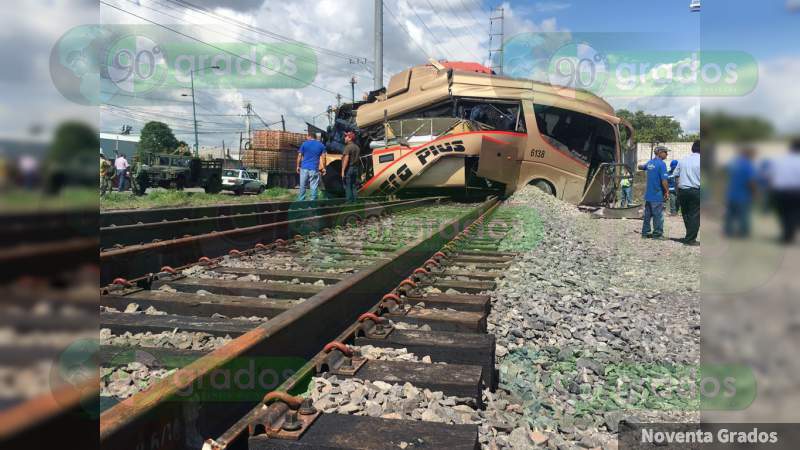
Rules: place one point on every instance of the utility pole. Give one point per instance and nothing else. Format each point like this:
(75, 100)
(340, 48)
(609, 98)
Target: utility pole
(353, 87)
(247, 124)
(378, 75)
(194, 110)
(498, 52)
(283, 123)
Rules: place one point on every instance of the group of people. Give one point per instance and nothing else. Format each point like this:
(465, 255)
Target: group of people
(312, 161)
(109, 170)
(778, 180)
(679, 187)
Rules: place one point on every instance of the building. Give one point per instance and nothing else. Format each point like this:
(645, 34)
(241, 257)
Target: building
(125, 144)
(678, 150)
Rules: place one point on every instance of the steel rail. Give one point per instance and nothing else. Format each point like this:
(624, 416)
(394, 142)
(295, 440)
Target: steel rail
(138, 260)
(299, 332)
(166, 230)
(134, 216)
(46, 226)
(66, 411)
(309, 369)
(47, 258)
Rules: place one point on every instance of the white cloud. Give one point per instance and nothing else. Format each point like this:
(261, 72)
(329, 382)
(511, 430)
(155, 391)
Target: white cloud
(549, 7)
(775, 98)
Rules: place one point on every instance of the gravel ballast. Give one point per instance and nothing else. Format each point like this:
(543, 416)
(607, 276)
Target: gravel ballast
(593, 325)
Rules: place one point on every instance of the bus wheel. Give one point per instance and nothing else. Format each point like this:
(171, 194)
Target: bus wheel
(544, 186)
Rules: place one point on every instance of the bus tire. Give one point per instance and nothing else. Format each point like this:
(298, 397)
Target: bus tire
(544, 186)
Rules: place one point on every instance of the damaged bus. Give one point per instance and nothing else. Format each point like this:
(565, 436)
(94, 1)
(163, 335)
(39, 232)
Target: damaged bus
(459, 128)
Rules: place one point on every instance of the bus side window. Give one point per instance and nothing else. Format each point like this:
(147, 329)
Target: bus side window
(580, 134)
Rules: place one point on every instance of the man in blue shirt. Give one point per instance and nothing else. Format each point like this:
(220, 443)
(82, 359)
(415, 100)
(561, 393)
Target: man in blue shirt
(741, 186)
(656, 193)
(310, 163)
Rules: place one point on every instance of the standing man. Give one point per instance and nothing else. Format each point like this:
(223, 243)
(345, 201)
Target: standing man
(673, 195)
(656, 193)
(784, 180)
(687, 176)
(350, 168)
(105, 174)
(627, 192)
(121, 164)
(741, 187)
(310, 163)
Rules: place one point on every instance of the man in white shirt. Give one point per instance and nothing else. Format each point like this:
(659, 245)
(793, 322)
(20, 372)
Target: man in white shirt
(784, 181)
(687, 176)
(121, 164)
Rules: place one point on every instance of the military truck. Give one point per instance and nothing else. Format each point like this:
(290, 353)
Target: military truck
(176, 171)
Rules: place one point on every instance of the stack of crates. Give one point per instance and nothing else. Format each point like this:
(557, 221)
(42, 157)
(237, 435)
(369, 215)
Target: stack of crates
(273, 150)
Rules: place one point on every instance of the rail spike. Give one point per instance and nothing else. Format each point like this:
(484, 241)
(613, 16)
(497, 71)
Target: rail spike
(345, 349)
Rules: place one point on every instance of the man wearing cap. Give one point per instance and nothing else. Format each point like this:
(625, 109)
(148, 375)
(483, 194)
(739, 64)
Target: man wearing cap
(310, 163)
(687, 176)
(656, 193)
(350, 166)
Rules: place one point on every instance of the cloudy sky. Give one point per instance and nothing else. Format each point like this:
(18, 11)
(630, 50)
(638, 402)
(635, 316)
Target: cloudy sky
(339, 33)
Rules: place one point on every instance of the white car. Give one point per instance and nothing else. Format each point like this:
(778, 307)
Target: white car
(240, 181)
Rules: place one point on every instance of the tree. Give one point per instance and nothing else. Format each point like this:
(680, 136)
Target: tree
(721, 126)
(74, 139)
(652, 128)
(157, 137)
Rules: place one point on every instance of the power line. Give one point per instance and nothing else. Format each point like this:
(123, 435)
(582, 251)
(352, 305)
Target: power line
(397, 21)
(435, 38)
(469, 11)
(142, 117)
(449, 30)
(213, 46)
(162, 114)
(480, 6)
(243, 26)
(271, 34)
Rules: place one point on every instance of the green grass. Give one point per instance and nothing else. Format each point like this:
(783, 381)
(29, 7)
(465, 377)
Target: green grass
(20, 200)
(171, 198)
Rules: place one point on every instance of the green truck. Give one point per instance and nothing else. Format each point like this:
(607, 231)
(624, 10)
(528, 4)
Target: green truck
(176, 171)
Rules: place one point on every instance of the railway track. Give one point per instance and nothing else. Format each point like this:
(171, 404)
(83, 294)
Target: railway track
(48, 311)
(39, 244)
(275, 307)
(133, 250)
(128, 227)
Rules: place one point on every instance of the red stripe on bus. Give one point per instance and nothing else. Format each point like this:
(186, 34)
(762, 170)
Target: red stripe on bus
(413, 149)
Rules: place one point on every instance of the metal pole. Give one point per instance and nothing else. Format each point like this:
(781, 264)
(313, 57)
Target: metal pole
(378, 44)
(283, 123)
(502, 37)
(353, 88)
(194, 115)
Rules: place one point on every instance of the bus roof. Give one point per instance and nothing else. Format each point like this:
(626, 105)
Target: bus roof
(425, 85)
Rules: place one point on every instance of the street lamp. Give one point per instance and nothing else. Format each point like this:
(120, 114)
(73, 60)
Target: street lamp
(194, 111)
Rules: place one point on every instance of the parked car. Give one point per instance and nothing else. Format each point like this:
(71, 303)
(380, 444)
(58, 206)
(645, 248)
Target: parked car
(240, 181)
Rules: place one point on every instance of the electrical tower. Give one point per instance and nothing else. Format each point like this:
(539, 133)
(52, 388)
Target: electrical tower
(497, 67)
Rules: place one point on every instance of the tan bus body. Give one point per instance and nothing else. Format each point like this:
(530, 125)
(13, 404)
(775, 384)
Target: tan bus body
(541, 145)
